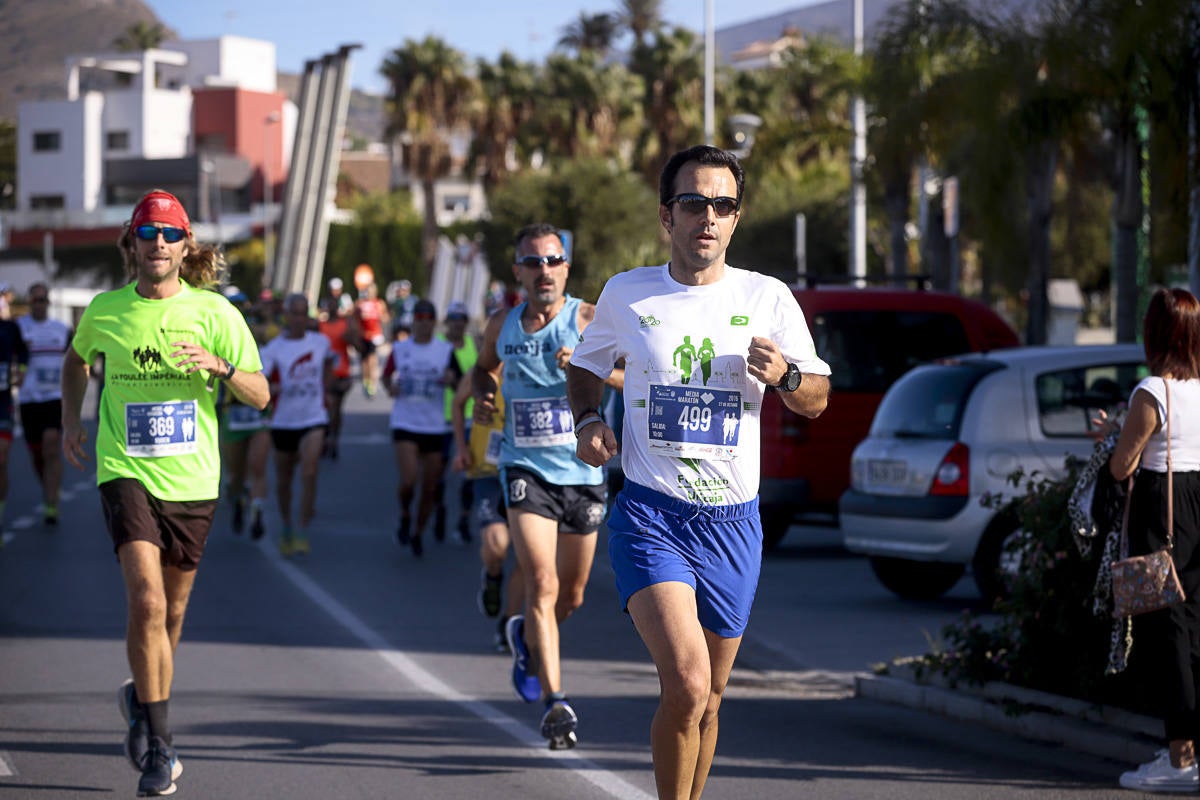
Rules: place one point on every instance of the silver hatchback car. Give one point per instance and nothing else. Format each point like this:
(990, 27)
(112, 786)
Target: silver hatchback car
(951, 432)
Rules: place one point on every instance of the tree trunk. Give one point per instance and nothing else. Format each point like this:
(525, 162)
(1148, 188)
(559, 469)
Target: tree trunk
(896, 201)
(1127, 218)
(1041, 164)
(429, 229)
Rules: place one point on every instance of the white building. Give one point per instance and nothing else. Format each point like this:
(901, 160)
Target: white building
(198, 118)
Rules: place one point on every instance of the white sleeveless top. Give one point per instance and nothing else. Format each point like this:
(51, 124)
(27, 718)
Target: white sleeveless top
(1184, 427)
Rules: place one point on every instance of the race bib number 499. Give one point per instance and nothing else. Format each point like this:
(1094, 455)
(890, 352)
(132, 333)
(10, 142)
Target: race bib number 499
(690, 422)
(160, 429)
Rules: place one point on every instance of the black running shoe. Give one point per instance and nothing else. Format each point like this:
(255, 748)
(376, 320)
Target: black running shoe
(417, 547)
(137, 730)
(257, 529)
(489, 593)
(403, 531)
(160, 768)
(239, 515)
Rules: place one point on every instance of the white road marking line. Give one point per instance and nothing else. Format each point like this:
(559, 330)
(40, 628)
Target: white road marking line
(608, 782)
(6, 537)
(6, 767)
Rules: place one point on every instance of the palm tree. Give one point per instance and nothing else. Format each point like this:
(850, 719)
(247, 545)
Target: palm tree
(640, 17)
(590, 33)
(671, 67)
(588, 108)
(510, 96)
(431, 99)
(141, 36)
(911, 86)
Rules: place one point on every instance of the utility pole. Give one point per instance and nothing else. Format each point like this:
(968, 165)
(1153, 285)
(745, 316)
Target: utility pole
(858, 189)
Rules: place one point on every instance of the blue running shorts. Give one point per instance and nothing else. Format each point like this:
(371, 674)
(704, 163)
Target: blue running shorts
(717, 550)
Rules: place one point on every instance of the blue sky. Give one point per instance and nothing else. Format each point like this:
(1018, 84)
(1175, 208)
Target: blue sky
(479, 28)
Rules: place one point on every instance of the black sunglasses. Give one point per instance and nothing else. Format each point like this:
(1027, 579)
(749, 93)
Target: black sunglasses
(148, 233)
(535, 262)
(694, 203)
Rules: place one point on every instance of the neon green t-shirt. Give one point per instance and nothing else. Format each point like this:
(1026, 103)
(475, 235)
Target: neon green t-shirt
(158, 424)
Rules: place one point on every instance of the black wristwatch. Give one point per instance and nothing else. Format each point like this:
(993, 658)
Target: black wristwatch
(230, 370)
(791, 379)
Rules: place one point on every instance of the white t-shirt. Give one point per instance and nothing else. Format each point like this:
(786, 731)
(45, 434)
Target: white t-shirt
(47, 341)
(691, 408)
(1185, 425)
(418, 370)
(298, 366)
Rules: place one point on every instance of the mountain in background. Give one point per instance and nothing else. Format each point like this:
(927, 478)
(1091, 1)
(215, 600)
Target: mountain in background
(37, 36)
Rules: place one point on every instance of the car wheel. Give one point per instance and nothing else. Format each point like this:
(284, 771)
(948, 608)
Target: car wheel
(775, 523)
(996, 558)
(916, 580)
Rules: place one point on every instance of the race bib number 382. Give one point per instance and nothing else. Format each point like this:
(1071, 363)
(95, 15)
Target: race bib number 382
(542, 422)
(160, 429)
(690, 422)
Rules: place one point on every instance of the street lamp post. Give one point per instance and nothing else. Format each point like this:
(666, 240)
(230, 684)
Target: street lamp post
(268, 193)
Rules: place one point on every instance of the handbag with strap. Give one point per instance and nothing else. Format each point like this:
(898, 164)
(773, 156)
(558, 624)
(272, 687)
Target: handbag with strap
(1148, 583)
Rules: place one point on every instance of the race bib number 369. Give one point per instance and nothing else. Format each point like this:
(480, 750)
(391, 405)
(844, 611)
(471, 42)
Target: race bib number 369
(160, 429)
(689, 422)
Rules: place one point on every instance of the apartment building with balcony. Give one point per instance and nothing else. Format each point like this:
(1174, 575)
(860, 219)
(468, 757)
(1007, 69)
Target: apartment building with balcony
(202, 119)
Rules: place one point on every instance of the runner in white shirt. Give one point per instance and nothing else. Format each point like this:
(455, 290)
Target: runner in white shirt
(41, 395)
(702, 342)
(416, 374)
(299, 365)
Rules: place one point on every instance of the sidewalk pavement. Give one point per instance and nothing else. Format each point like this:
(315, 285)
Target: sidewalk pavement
(1106, 732)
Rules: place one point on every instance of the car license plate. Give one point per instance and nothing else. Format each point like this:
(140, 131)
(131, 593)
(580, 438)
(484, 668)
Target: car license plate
(889, 472)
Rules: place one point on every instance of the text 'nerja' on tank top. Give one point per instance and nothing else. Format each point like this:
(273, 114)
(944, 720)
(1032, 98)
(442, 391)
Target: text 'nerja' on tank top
(539, 430)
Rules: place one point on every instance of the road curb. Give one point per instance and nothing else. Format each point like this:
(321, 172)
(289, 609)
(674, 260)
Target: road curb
(1109, 733)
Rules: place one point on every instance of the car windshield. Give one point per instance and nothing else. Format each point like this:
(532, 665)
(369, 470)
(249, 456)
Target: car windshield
(869, 350)
(928, 402)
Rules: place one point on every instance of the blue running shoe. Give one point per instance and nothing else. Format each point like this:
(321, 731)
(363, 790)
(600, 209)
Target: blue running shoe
(528, 687)
(137, 732)
(160, 768)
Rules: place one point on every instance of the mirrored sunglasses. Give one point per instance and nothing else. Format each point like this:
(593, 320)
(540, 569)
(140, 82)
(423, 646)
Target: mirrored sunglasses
(148, 233)
(693, 203)
(536, 262)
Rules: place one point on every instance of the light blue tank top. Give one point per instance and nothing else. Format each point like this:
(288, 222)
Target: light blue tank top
(539, 430)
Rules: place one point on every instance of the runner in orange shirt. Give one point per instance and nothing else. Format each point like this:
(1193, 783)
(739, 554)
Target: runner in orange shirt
(343, 333)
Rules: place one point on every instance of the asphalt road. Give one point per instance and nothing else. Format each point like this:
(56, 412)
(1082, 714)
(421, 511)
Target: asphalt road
(362, 672)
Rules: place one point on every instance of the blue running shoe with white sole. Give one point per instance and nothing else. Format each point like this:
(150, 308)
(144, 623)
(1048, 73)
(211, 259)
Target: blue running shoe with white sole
(528, 687)
(160, 768)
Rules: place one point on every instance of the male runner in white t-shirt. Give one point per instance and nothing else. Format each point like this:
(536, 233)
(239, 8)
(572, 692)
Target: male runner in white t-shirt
(685, 539)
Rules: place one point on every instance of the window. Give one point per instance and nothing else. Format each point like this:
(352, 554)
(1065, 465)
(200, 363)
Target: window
(47, 141)
(116, 140)
(45, 202)
(929, 404)
(1068, 400)
(869, 350)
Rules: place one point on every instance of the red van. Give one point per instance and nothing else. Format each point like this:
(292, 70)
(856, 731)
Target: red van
(869, 337)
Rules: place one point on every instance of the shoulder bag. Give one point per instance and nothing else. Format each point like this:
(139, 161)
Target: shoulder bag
(1148, 583)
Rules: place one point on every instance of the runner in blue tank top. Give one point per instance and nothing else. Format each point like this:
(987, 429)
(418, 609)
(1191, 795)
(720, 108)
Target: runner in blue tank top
(555, 501)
